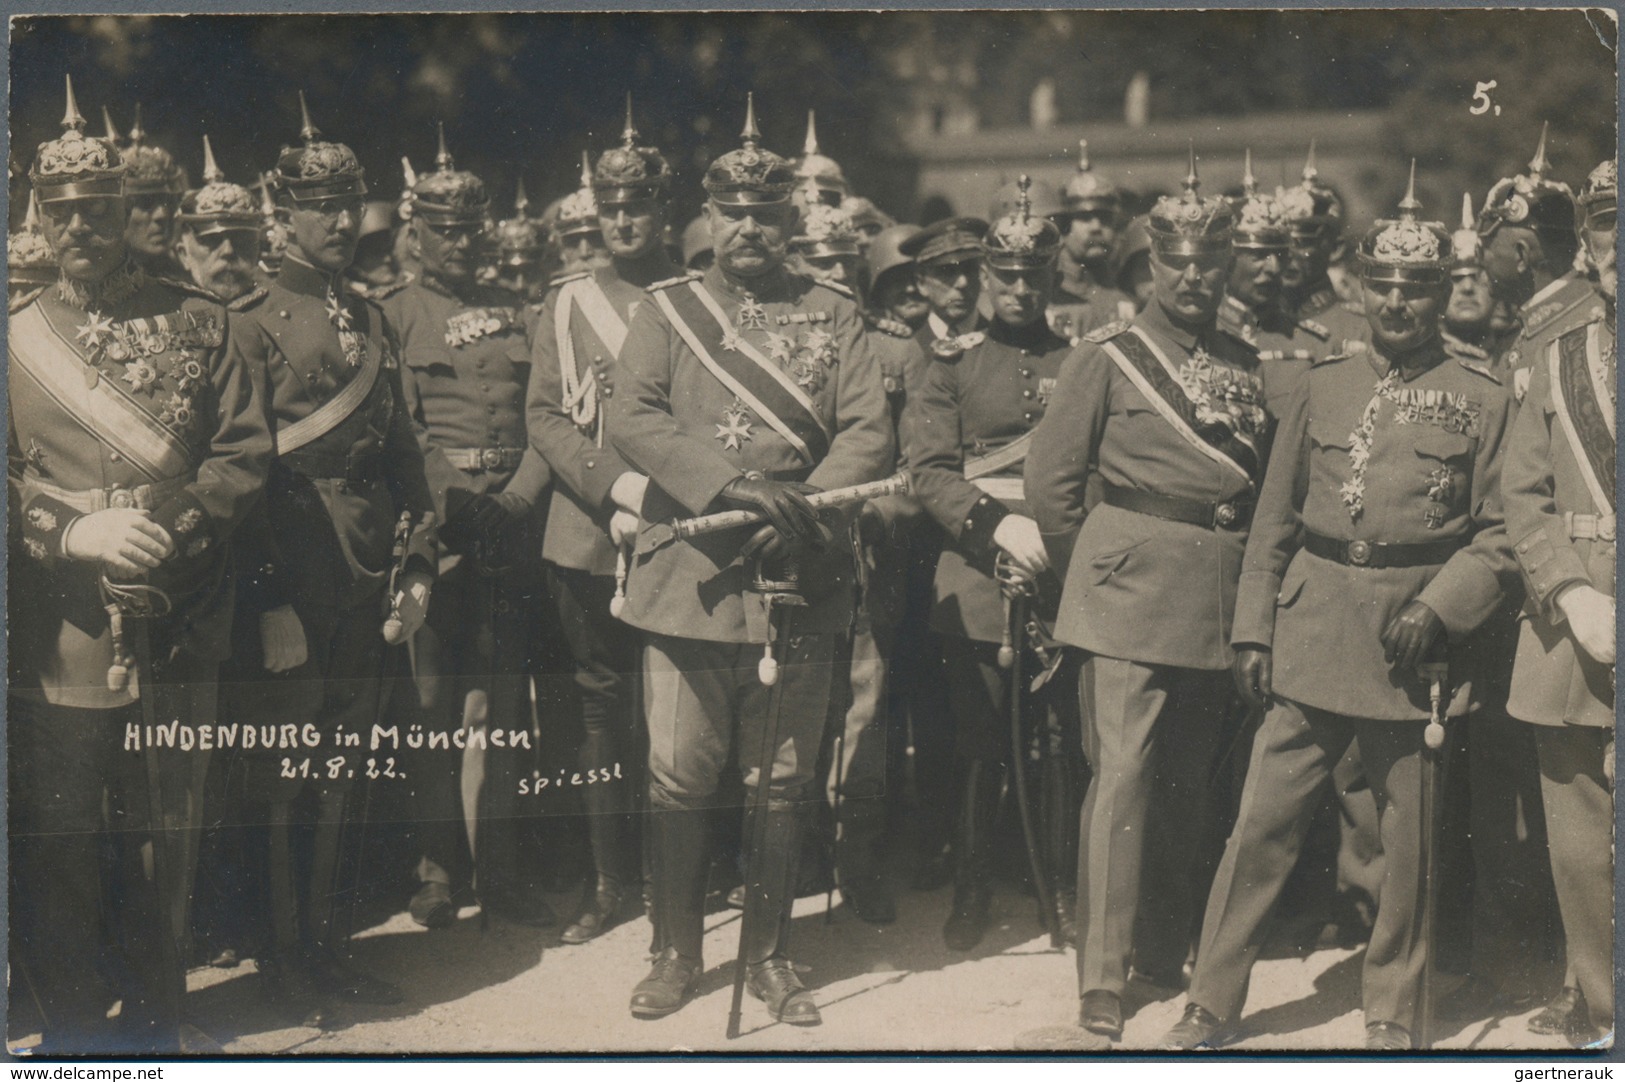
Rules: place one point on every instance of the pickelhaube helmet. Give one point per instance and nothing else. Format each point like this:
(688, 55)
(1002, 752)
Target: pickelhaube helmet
(152, 170)
(1599, 194)
(751, 175)
(449, 196)
(1531, 200)
(817, 172)
(519, 239)
(825, 231)
(1021, 239)
(1188, 223)
(317, 170)
(1405, 249)
(1260, 218)
(110, 130)
(1043, 199)
(578, 211)
(219, 206)
(1466, 246)
(29, 259)
(1311, 205)
(630, 172)
(1089, 190)
(75, 165)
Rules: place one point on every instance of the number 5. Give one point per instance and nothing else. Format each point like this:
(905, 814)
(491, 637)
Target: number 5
(1481, 98)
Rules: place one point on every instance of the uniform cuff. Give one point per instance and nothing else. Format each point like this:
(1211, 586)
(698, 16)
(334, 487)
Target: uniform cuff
(1257, 593)
(189, 525)
(984, 516)
(45, 524)
(1547, 568)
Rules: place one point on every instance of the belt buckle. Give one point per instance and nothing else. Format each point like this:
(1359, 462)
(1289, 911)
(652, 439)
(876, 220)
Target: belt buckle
(491, 458)
(121, 498)
(1605, 529)
(1226, 514)
(1359, 553)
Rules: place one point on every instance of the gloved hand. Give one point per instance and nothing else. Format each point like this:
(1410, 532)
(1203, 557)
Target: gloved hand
(1254, 672)
(282, 637)
(123, 538)
(783, 502)
(492, 512)
(768, 545)
(1590, 614)
(623, 528)
(407, 608)
(1409, 635)
(874, 530)
(1018, 536)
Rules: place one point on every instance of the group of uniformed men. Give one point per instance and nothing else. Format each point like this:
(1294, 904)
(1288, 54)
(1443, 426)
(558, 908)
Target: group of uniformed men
(1168, 498)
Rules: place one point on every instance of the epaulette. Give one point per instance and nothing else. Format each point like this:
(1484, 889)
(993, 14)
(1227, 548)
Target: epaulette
(381, 292)
(1480, 368)
(576, 276)
(1107, 331)
(947, 349)
(887, 325)
(667, 283)
(838, 287)
(248, 300)
(1352, 347)
(1356, 309)
(23, 300)
(1319, 330)
(181, 285)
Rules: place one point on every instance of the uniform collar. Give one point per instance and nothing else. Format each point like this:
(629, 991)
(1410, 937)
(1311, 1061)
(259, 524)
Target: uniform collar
(940, 329)
(1155, 318)
(1427, 359)
(1545, 293)
(1035, 336)
(297, 276)
(654, 267)
(774, 285)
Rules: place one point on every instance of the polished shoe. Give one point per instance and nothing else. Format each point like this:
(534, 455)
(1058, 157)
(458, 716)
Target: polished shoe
(432, 907)
(226, 958)
(967, 922)
(871, 899)
(293, 996)
(1197, 1029)
(1066, 919)
(340, 981)
(1387, 1037)
(598, 916)
(775, 983)
(1172, 980)
(1565, 1016)
(519, 906)
(1101, 1012)
(667, 986)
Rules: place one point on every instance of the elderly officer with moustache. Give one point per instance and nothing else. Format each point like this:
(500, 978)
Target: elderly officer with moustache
(155, 185)
(967, 434)
(1169, 412)
(220, 237)
(746, 387)
(320, 584)
(1560, 490)
(593, 517)
(1378, 539)
(137, 444)
(465, 367)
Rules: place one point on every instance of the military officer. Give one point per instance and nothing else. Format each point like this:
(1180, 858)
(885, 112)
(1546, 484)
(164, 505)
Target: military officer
(821, 178)
(1378, 536)
(743, 388)
(576, 229)
(894, 290)
(1528, 234)
(868, 219)
(137, 444)
(273, 232)
(30, 263)
(317, 563)
(597, 498)
(1314, 213)
(154, 186)
(465, 368)
(1559, 486)
(1169, 410)
(1470, 316)
(519, 252)
(968, 432)
(1090, 217)
(825, 248)
(946, 255)
(220, 237)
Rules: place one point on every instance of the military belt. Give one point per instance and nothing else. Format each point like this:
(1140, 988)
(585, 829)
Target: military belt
(1589, 527)
(1381, 554)
(367, 467)
(1229, 515)
(479, 459)
(1007, 489)
(89, 501)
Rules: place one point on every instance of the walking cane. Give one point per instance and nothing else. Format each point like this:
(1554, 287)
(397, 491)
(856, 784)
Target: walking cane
(1436, 670)
(783, 595)
(1016, 592)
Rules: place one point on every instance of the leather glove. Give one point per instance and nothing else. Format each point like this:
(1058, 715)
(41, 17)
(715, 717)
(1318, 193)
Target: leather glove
(123, 538)
(282, 638)
(768, 545)
(407, 608)
(783, 502)
(1254, 672)
(1410, 634)
(492, 512)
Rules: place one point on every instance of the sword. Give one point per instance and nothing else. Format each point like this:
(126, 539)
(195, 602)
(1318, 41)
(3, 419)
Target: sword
(1016, 592)
(664, 533)
(1436, 670)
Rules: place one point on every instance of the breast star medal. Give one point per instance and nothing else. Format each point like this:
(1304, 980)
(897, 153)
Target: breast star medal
(752, 316)
(734, 431)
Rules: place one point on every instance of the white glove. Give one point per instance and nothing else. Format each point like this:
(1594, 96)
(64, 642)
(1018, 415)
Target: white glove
(407, 608)
(283, 638)
(1590, 614)
(1018, 536)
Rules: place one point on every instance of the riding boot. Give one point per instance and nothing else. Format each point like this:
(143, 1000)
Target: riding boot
(609, 830)
(858, 862)
(326, 935)
(284, 972)
(772, 854)
(973, 856)
(679, 857)
(1059, 797)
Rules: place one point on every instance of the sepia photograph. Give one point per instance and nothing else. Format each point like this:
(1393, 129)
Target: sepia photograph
(1051, 531)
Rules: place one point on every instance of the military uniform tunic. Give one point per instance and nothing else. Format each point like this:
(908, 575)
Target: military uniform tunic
(1287, 345)
(1564, 304)
(1080, 306)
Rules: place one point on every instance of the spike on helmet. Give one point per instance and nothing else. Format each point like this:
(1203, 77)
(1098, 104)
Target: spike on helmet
(218, 206)
(1260, 218)
(751, 175)
(578, 211)
(75, 165)
(1021, 239)
(821, 176)
(1530, 200)
(319, 169)
(1311, 205)
(449, 196)
(151, 170)
(1405, 249)
(1466, 246)
(630, 172)
(1088, 190)
(1189, 223)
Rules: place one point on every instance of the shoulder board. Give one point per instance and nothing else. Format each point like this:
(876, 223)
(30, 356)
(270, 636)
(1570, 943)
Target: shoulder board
(561, 279)
(664, 283)
(23, 300)
(386, 291)
(1351, 347)
(1319, 330)
(1238, 338)
(1351, 306)
(1107, 330)
(887, 325)
(1480, 368)
(248, 300)
(837, 287)
(180, 285)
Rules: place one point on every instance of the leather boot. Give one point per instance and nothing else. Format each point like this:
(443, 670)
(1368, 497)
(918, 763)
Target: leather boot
(1060, 798)
(770, 864)
(973, 852)
(858, 864)
(600, 910)
(679, 858)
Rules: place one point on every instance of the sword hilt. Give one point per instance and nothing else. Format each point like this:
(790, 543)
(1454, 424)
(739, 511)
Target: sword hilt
(618, 602)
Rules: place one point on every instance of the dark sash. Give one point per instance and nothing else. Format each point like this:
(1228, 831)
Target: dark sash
(1584, 418)
(1153, 375)
(757, 381)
